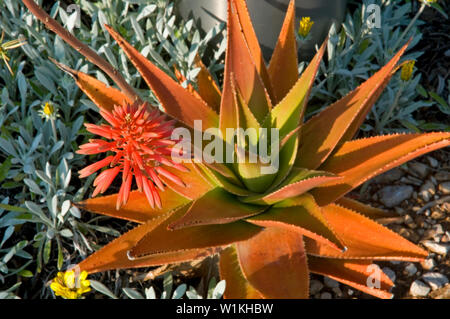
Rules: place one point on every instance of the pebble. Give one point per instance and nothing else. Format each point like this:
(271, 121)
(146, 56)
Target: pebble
(433, 162)
(434, 231)
(411, 181)
(410, 269)
(443, 293)
(419, 289)
(437, 215)
(337, 292)
(419, 169)
(325, 295)
(409, 222)
(315, 286)
(331, 283)
(427, 191)
(391, 196)
(428, 264)
(390, 273)
(435, 280)
(442, 176)
(444, 188)
(441, 249)
(390, 176)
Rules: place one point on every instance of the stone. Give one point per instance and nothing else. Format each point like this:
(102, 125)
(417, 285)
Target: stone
(419, 289)
(391, 176)
(428, 264)
(434, 231)
(441, 249)
(419, 169)
(390, 273)
(391, 196)
(326, 295)
(437, 215)
(435, 280)
(337, 292)
(410, 269)
(331, 283)
(443, 293)
(315, 286)
(444, 188)
(409, 222)
(442, 176)
(432, 161)
(427, 191)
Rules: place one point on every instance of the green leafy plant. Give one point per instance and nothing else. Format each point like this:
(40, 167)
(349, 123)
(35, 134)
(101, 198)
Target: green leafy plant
(358, 50)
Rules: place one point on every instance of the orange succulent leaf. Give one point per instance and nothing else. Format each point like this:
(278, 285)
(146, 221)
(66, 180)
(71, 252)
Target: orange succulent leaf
(104, 96)
(216, 207)
(283, 66)
(181, 79)
(237, 286)
(364, 239)
(297, 183)
(359, 160)
(366, 210)
(356, 274)
(176, 101)
(300, 214)
(275, 263)
(253, 44)
(136, 209)
(288, 113)
(196, 184)
(207, 87)
(115, 254)
(339, 122)
(239, 62)
(161, 240)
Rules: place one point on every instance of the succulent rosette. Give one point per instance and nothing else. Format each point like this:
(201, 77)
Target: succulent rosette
(270, 230)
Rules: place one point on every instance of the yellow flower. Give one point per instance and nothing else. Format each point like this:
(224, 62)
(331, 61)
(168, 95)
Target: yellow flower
(48, 111)
(69, 286)
(407, 70)
(305, 26)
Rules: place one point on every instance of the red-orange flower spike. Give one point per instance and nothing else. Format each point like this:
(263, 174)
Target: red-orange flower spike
(140, 141)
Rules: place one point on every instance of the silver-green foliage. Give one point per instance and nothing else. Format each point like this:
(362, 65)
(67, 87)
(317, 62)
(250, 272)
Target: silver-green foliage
(215, 290)
(359, 50)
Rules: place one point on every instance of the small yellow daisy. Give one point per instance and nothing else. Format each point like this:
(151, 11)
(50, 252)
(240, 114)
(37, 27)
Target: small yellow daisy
(69, 286)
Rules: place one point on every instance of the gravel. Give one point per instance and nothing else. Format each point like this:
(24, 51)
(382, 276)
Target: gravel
(444, 188)
(410, 269)
(441, 249)
(419, 289)
(428, 264)
(435, 280)
(315, 286)
(331, 283)
(391, 196)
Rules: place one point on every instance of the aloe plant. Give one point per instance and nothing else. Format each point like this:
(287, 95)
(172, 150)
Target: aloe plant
(271, 230)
